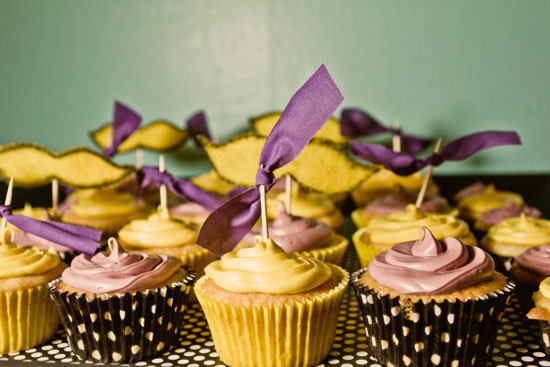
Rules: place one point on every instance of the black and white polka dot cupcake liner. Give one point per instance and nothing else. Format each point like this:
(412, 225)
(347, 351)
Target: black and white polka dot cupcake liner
(446, 334)
(502, 263)
(544, 327)
(123, 327)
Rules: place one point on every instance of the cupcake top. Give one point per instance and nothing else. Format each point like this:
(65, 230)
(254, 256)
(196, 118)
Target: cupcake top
(541, 311)
(399, 200)
(188, 208)
(488, 199)
(18, 261)
(509, 210)
(159, 230)
(522, 230)
(295, 233)
(23, 238)
(386, 179)
(536, 259)
(309, 204)
(92, 203)
(266, 268)
(119, 271)
(473, 189)
(427, 266)
(403, 226)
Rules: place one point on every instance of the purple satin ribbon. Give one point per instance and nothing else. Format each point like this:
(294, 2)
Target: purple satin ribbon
(79, 238)
(355, 123)
(308, 110)
(125, 122)
(196, 125)
(456, 150)
(178, 186)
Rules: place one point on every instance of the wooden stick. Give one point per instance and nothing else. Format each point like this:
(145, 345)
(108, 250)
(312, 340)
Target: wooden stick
(163, 192)
(427, 178)
(263, 211)
(396, 139)
(55, 195)
(9, 195)
(139, 158)
(288, 191)
(215, 138)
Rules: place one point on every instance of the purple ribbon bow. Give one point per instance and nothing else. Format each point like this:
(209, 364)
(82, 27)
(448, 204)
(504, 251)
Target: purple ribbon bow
(125, 122)
(178, 186)
(79, 238)
(311, 106)
(355, 123)
(197, 125)
(456, 150)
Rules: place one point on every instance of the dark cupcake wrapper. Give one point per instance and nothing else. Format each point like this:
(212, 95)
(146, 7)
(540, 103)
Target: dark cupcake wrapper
(446, 334)
(123, 327)
(544, 327)
(502, 263)
(524, 293)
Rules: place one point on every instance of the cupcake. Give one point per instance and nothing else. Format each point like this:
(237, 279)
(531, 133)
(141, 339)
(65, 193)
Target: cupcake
(28, 317)
(189, 212)
(121, 307)
(398, 201)
(472, 207)
(528, 270)
(212, 182)
(106, 209)
(541, 312)
(304, 236)
(476, 188)
(385, 182)
(511, 237)
(430, 302)
(161, 234)
(308, 205)
(385, 231)
(508, 210)
(268, 308)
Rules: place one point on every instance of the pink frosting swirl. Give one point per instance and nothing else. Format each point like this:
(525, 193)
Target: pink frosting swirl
(509, 210)
(295, 233)
(398, 201)
(536, 259)
(119, 271)
(473, 189)
(428, 266)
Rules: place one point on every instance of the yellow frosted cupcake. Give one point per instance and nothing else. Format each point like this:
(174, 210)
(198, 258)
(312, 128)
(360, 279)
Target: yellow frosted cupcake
(308, 205)
(472, 207)
(290, 300)
(106, 209)
(161, 234)
(386, 182)
(385, 231)
(27, 314)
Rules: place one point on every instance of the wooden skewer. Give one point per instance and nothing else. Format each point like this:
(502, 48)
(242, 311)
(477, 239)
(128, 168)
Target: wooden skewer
(163, 192)
(9, 195)
(139, 158)
(427, 178)
(55, 195)
(396, 139)
(263, 211)
(288, 191)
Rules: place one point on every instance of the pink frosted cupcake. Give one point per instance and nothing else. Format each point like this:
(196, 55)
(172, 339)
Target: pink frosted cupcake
(509, 210)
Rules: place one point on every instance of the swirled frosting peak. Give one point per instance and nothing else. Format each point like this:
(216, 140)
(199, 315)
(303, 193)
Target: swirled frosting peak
(536, 259)
(17, 261)
(508, 210)
(119, 271)
(159, 230)
(403, 226)
(521, 230)
(428, 266)
(266, 268)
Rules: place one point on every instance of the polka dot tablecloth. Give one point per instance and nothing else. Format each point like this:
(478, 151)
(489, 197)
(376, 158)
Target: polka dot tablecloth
(518, 342)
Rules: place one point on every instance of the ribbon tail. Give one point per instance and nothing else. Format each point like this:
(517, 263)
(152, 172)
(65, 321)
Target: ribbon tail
(399, 163)
(355, 123)
(415, 144)
(191, 192)
(468, 145)
(234, 219)
(197, 125)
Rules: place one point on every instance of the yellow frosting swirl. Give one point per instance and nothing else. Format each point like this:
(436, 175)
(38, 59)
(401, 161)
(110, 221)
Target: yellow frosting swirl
(92, 203)
(386, 179)
(403, 226)
(545, 287)
(489, 199)
(521, 230)
(17, 261)
(266, 268)
(159, 230)
(35, 213)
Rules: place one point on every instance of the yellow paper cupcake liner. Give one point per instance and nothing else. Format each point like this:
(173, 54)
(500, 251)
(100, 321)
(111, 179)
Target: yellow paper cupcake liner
(359, 218)
(365, 251)
(333, 254)
(289, 335)
(27, 318)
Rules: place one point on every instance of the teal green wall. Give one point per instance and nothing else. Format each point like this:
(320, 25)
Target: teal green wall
(445, 68)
